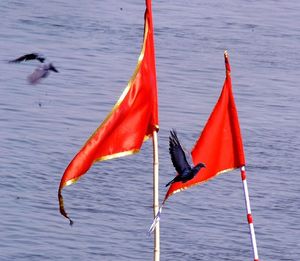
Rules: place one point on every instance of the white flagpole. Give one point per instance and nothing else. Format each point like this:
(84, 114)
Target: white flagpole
(155, 197)
(249, 215)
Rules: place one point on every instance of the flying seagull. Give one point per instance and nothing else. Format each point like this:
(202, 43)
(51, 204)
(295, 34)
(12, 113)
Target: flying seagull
(41, 71)
(27, 57)
(184, 169)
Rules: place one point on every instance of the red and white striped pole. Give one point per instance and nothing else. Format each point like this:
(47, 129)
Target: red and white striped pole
(249, 215)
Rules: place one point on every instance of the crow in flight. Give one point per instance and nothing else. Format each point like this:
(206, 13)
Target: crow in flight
(30, 56)
(178, 157)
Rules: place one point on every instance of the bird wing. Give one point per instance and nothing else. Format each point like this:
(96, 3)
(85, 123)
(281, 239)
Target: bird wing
(27, 57)
(177, 153)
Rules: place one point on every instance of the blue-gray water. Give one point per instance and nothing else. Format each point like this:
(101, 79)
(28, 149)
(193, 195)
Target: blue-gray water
(95, 46)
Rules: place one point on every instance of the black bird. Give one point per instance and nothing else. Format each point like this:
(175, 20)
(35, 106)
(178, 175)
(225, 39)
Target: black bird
(30, 56)
(178, 157)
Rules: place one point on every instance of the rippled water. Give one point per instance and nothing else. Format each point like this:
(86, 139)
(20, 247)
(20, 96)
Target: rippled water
(95, 46)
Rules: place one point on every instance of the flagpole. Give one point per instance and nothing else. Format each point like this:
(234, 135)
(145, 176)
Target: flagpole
(155, 197)
(249, 215)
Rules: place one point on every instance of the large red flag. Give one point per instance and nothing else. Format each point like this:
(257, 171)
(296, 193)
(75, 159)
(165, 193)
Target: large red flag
(131, 121)
(220, 144)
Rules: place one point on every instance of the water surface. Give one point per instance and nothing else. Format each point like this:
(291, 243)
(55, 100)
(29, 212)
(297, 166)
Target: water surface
(95, 46)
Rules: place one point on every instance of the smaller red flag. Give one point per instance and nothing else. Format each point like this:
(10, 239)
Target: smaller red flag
(220, 144)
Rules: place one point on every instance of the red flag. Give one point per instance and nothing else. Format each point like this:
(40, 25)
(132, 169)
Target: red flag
(131, 121)
(220, 144)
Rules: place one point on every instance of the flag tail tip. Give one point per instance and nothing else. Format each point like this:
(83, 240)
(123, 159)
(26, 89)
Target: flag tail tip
(62, 208)
(155, 222)
(71, 222)
(153, 226)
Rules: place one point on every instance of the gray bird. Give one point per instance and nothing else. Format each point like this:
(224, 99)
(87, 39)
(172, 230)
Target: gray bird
(184, 169)
(41, 72)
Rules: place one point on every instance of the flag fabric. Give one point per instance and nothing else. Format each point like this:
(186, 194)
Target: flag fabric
(132, 120)
(220, 144)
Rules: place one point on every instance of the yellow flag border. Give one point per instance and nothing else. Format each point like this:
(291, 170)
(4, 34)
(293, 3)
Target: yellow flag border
(200, 182)
(116, 106)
